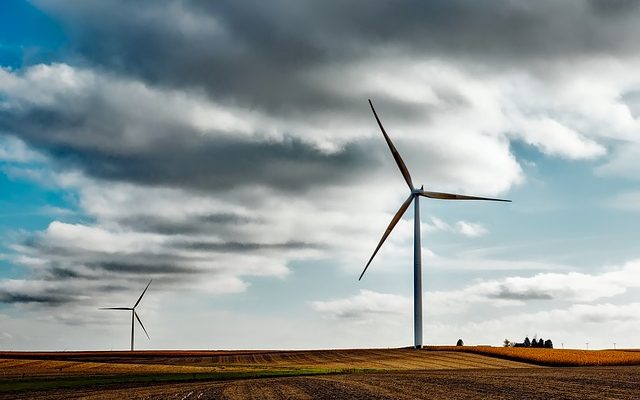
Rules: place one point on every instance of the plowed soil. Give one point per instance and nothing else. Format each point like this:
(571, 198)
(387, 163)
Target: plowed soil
(109, 363)
(535, 383)
(437, 373)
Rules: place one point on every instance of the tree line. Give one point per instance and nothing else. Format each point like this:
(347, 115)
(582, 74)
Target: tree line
(535, 342)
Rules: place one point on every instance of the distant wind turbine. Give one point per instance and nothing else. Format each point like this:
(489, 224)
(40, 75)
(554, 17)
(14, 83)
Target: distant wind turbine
(417, 259)
(134, 314)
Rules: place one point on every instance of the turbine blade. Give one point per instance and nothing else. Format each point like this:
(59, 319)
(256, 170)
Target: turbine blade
(143, 292)
(392, 224)
(140, 322)
(450, 196)
(116, 308)
(394, 152)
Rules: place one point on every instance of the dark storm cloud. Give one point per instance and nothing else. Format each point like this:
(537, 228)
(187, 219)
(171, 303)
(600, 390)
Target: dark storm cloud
(261, 53)
(140, 268)
(61, 273)
(279, 59)
(232, 247)
(68, 262)
(94, 138)
(507, 293)
(614, 7)
(71, 273)
(49, 298)
(200, 224)
(55, 293)
(226, 163)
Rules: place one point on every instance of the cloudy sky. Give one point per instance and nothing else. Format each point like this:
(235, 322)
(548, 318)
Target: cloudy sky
(226, 150)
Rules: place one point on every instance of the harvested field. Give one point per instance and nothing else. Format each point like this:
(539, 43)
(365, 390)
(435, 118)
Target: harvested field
(552, 357)
(334, 360)
(439, 372)
(536, 383)
(12, 369)
(49, 371)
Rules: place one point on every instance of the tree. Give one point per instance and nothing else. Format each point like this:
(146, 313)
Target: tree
(534, 341)
(460, 343)
(540, 343)
(507, 343)
(527, 342)
(548, 344)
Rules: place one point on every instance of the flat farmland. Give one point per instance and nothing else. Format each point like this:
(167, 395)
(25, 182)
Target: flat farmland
(437, 372)
(553, 357)
(16, 364)
(539, 383)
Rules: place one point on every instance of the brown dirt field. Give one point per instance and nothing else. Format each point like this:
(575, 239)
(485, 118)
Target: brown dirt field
(13, 369)
(437, 372)
(535, 384)
(97, 363)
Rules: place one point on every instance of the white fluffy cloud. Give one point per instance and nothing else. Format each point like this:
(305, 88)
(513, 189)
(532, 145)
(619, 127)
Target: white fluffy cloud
(570, 113)
(174, 232)
(144, 113)
(556, 139)
(364, 305)
(471, 229)
(578, 318)
(511, 291)
(15, 150)
(256, 231)
(453, 123)
(466, 228)
(213, 157)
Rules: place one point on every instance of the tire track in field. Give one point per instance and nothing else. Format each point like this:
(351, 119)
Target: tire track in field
(362, 387)
(410, 388)
(268, 389)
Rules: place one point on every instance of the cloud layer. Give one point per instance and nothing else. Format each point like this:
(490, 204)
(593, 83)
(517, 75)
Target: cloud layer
(210, 144)
(573, 287)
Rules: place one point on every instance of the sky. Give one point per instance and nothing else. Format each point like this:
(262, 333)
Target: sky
(227, 151)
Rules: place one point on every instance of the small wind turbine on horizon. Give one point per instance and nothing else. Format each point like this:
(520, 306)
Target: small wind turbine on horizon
(417, 258)
(134, 314)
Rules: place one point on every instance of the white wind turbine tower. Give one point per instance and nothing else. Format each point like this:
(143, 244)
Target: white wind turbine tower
(134, 314)
(417, 259)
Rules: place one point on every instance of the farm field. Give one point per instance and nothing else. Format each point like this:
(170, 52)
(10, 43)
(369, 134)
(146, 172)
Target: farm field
(48, 371)
(538, 383)
(461, 372)
(35, 365)
(553, 357)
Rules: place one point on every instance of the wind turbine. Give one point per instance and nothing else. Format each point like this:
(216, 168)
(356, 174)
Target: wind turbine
(134, 314)
(417, 259)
